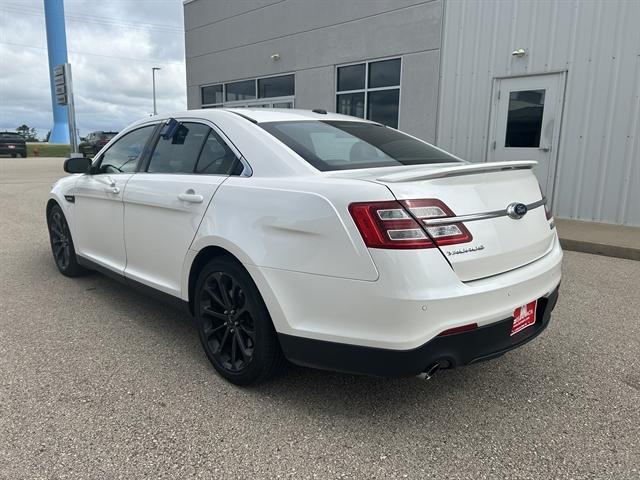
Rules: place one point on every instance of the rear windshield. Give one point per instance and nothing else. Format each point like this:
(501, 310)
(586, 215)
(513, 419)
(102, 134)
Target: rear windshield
(10, 135)
(339, 145)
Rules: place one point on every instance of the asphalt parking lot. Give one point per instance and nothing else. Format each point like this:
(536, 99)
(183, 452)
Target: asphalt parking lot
(97, 381)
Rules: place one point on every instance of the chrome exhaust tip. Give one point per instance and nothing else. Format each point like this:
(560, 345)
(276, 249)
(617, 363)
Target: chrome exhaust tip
(430, 371)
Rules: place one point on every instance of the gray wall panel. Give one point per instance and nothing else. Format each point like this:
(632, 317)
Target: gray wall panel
(199, 13)
(225, 43)
(405, 30)
(315, 88)
(419, 94)
(598, 44)
(283, 19)
(193, 97)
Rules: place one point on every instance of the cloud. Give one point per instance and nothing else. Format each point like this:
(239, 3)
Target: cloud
(112, 47)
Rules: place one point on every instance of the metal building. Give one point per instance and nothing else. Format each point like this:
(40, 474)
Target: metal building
(554, 81)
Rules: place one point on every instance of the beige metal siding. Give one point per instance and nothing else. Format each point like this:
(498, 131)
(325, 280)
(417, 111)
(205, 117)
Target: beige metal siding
(598, 44)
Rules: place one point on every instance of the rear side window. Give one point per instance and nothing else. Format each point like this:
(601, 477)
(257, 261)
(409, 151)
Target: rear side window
(179, 154)
(216, 157)
(340, 145)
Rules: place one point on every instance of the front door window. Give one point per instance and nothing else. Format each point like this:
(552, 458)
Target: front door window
(123, 155)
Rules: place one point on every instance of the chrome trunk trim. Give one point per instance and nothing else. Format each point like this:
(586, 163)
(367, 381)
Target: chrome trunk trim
(479, 216)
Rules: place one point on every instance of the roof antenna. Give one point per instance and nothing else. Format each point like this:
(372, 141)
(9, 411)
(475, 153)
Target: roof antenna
(320, 111)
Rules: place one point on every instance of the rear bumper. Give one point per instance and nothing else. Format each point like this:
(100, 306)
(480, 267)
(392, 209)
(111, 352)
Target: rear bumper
(483, 343)
(19, 149)
(415, 298)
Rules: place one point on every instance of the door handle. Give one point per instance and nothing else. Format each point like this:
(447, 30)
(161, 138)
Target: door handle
(191, 196)
(545, 149)
(114, 190)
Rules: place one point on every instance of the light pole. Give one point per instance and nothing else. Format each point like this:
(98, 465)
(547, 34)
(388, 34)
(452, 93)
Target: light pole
(153, 75)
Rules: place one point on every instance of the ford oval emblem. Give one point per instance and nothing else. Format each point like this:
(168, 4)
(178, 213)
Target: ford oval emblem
(516, 210)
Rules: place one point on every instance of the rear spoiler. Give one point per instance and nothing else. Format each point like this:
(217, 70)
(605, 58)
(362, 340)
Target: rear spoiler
(466, 169)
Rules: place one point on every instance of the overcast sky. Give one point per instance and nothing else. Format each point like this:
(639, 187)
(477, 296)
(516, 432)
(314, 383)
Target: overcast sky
(112, 45)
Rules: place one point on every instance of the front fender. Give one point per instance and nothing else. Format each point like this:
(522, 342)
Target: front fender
(62, 193)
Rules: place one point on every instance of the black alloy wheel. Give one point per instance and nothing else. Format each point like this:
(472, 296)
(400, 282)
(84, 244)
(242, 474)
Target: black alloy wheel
(62, 244)
(58, 229)
(230, 331)
(234, 324)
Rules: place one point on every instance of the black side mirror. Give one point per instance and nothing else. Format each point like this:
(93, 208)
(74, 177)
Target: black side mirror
(77, 165)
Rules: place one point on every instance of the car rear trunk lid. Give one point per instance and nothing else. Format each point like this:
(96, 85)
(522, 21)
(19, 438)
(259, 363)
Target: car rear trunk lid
(481, 194)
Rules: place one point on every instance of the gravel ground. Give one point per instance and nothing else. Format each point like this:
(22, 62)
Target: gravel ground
(97, 381)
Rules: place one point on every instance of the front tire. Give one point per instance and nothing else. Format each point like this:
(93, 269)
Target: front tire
(234, 325)
(64, 254)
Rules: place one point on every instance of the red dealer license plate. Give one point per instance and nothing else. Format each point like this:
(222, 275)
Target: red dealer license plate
(524, 317)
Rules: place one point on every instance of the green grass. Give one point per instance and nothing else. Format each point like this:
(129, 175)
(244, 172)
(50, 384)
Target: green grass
(46, 150)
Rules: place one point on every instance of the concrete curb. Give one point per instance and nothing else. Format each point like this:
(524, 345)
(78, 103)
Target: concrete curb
(600, 249)
(610, 240)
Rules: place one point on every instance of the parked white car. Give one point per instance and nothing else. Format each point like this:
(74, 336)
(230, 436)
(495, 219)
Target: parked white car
(328, 240)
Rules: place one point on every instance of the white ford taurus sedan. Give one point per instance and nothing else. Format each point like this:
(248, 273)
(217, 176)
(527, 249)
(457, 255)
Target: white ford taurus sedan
(327, 240)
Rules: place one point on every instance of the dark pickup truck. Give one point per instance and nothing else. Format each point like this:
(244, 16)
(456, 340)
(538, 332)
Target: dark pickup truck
(13, 144)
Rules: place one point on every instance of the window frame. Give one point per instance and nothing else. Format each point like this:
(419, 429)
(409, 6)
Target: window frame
(146, 150)
(246, 170)
(368, 89)
(250, 102)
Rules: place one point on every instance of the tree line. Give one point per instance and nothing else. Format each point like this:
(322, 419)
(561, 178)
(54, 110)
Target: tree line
(30, 134)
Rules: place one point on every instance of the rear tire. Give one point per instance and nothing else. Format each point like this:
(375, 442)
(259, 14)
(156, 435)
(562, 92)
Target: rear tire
(64, 253)
(234, 324)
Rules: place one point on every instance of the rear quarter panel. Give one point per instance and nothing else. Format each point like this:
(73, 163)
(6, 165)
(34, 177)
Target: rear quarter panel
(300, 225)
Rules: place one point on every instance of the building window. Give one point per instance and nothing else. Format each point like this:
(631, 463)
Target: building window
(212, 94)
(266, 92)
(270, 87)
(370, 90)
(245, 90)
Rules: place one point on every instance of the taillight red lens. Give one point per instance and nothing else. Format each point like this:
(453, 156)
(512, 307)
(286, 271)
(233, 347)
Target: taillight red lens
(388, 225)
(431, 208)
(395, 224)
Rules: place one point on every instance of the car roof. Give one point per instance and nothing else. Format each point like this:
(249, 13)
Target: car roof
(289, 114)
(259, 115)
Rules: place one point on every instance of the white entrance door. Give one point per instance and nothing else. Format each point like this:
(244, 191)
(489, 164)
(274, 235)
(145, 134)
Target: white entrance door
(525, 123)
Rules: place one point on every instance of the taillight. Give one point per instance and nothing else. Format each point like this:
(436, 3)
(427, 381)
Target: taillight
(429, 209)
(388, 225)
(394, 224)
